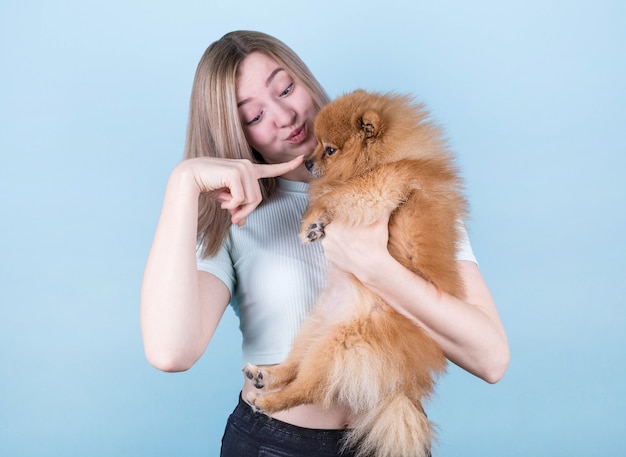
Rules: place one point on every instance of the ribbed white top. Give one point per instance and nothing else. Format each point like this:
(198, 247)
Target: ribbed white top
(273, 278)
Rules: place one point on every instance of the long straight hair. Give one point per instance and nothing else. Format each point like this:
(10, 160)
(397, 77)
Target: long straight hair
(214, 128)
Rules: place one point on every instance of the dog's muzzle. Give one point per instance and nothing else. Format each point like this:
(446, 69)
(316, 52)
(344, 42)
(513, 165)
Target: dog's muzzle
(315, 171)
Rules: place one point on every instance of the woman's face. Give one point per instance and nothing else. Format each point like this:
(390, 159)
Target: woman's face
(276, 111)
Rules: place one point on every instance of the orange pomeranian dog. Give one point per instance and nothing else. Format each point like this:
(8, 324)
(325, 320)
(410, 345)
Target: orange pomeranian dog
(376, 154)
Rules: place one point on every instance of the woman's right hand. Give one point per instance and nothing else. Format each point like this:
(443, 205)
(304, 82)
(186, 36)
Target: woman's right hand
(235, 183)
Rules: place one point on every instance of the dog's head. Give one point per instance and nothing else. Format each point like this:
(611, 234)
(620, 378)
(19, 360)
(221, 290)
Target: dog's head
(358, 131)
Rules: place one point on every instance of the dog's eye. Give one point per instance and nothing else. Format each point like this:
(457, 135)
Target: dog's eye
(329, 150)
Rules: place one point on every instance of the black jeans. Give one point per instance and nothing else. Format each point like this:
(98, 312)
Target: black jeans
(252, 434)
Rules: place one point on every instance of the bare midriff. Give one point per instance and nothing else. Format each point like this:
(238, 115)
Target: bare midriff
(309, 415)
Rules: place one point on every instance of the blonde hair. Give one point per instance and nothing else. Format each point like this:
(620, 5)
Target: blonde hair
(215, 129)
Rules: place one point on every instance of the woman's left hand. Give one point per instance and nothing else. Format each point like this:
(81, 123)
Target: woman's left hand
(357, 249)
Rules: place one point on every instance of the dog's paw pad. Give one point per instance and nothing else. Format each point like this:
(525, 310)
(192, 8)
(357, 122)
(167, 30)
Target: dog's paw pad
(255, 375)
(315, 232)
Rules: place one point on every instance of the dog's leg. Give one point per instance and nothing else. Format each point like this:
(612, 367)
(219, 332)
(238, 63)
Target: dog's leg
(278, 376)
(359, 201)
(270, 378)
(294, 394)
(274, 377)
(307, 387)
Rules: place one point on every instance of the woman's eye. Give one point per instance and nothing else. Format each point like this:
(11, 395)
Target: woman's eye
(287, 90)
(329, 150)
(255, 119)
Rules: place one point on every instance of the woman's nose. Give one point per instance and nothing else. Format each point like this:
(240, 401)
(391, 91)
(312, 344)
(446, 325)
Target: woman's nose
(285, 115)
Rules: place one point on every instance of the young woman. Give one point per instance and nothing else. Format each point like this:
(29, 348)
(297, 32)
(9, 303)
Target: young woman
(228, 234)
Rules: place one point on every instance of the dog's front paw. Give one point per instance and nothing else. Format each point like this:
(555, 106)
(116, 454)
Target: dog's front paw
(312, 232)
(255, 375)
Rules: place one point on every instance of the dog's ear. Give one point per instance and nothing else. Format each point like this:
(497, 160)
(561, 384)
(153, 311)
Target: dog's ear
(371, 125)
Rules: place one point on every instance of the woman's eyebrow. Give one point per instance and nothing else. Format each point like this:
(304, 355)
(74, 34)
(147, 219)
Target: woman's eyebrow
(268, 81)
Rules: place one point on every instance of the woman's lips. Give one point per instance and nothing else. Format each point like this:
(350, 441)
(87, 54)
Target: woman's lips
(298, 135)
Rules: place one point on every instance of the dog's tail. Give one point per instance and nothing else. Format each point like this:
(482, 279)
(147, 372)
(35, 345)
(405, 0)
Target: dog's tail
(396, 428)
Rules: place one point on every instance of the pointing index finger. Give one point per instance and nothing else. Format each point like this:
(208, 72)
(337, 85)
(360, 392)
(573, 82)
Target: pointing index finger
(277, 169)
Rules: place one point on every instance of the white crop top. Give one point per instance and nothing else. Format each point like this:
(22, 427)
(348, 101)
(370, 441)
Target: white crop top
(273, 278)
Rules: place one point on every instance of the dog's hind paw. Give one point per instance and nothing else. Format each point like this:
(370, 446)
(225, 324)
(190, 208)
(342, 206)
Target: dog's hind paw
(314, 232)
(255, 375)
(252, 399)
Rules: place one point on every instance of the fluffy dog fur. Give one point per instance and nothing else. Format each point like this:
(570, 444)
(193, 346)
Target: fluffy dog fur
(376, 153)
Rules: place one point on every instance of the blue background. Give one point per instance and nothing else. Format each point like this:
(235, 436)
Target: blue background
(93, 109)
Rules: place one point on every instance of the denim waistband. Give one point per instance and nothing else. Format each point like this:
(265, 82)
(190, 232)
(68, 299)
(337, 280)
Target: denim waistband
(246, 413)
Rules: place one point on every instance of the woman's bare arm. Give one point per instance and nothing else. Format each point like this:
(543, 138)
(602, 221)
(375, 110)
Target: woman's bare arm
(469, 331)
(181, 307)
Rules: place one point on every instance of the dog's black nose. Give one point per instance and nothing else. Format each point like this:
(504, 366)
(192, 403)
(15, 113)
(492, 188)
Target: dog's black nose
(308, 164)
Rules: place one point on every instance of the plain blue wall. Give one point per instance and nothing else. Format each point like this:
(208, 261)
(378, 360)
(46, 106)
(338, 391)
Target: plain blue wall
(93, 108)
